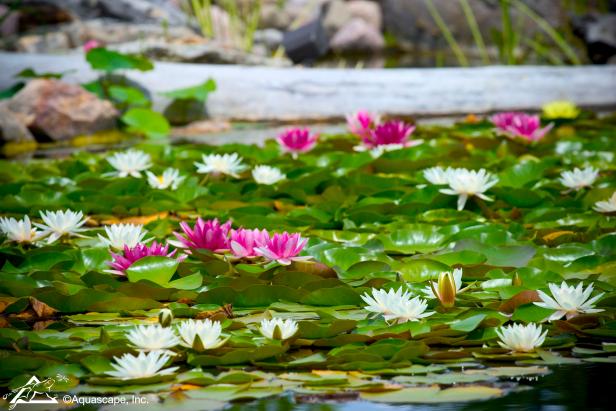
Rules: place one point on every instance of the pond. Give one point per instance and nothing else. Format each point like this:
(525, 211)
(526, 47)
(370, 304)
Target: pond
(459, 266)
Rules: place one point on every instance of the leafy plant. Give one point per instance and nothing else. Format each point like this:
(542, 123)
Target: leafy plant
(146, 122)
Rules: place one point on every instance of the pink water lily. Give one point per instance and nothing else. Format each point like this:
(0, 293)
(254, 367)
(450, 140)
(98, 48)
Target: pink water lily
(90, 44)
(362, 123)
(390, 133)
(121, 262)
(297, 140)
(283, 248)
(207, 234)
(243, 241)
(521, 125)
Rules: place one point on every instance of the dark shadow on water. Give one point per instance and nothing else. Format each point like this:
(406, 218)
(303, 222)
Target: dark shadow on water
(568, 388)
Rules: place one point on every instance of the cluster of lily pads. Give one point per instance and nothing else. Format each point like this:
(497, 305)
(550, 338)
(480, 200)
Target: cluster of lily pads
(349, 254)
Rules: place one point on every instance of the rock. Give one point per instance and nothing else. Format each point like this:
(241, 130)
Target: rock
(136, 11)
(9, 24)
(271, 38)
(275, 17)
(357, 35)
(411, 21)
(210, 52)
(337, 14)
(12, 126)
(599, 34)
(59, 111)
(368, 11)
(45, 43)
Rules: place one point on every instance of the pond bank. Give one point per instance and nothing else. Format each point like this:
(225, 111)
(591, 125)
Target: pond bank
(261, 93)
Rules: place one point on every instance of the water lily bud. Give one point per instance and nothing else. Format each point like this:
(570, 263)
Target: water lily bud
(446, 289)
(277, 334)
(197, 344)
(165, 317)
(516, 280)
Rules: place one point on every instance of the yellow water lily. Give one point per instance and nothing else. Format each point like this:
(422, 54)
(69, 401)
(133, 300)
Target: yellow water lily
(562, 109)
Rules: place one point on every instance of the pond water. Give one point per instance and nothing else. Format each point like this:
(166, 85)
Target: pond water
(567, 387)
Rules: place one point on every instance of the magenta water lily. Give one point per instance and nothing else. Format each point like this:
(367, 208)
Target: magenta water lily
(297, 140)
(362, 123)
(206, 234)
(243, 241)
(283, 248)
(520, 125)
(389, 133)
(122, 262)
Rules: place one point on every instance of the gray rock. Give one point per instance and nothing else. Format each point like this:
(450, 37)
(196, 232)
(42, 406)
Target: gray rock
(368, 11)
(210, 52)
(136, 11)
(271, 38)
(44, 43)
(357, 35)
(60, 111)
(273, 16)
(12, 126)
(599, 34)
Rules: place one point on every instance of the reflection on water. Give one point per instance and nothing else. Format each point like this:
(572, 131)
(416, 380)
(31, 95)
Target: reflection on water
(568, 387)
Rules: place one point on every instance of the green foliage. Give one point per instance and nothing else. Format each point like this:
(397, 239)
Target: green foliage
(198, 92)
(146, 122)
(109, 61)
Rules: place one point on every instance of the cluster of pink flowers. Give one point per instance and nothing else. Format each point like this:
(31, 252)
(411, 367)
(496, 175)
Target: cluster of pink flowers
(297, 140)
(121, 263)
(214, 236)
(374, 134)
(520, 125)
(243, 243)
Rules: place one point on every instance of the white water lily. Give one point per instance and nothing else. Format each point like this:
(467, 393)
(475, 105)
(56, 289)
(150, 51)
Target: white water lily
(130, 163)
(60, 223)
(579, 178)
(208, 332)
(278, 329)
(141, 366)
(230, 164)
(170, 178)
(19, 231)
(437, 175)
(267, 175)
(153, 338)
(521, 338)
(569, 301)
(467, 183)
(396, 305)
(120, 235)
(443, 294)
(607, 206)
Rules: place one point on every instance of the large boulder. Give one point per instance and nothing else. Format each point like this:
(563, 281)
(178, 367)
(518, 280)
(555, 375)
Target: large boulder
(56, 110)
(13, 126)
(599, 34)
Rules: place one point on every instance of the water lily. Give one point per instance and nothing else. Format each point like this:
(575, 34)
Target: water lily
(243, 241)
(579, 178)
(607, 206)
(121, 235)
(206, 234)
(19, 231)
(446, 288)
(278, 329)
(283, 248)
(437, 175)
(362, 123)
(165, 317)
(561, 109)
(57, 224)
(267, 175)
(388, 136)
(130, 163)
(217, 164)
(569, 301)
(207, 331)
(521, 125)
(397, 306)
(170, 178)
(141, 366)
(467, 183)
(90, 44)
(153, 338)
(521, 338)
(121, 263)
(297, 140)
